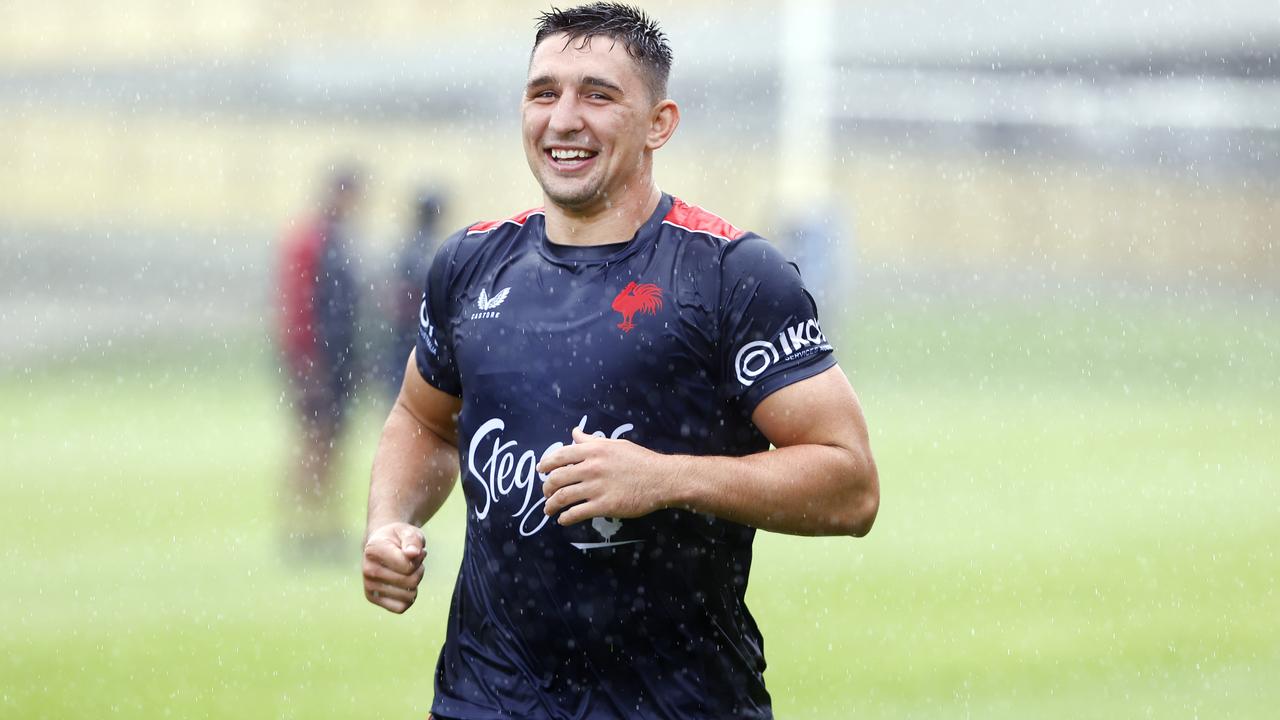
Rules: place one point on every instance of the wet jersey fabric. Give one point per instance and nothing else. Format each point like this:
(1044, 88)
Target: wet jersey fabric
(668, 340)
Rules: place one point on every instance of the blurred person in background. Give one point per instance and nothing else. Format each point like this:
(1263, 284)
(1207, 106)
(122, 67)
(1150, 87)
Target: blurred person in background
(814, 238)
(609, 373)
(404, 287)
(318, 302)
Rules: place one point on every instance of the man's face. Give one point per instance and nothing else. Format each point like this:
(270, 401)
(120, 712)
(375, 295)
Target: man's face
(586, 117)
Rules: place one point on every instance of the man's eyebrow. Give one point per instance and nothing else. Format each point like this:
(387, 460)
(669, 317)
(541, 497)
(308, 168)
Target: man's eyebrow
(601, 83)
(589, 80)
(540, 81)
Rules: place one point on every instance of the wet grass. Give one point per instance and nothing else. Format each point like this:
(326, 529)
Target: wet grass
(1079, 519)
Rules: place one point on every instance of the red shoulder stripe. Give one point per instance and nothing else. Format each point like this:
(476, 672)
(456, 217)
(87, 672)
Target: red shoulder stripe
(488, 225)
(695, 219)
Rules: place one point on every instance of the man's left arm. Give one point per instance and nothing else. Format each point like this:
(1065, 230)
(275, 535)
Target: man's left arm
(820, 480)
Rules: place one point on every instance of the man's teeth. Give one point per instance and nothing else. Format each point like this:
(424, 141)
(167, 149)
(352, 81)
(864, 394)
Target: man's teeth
(570, 154)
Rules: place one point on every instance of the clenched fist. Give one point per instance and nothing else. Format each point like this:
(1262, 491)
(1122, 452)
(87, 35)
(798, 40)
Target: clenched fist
(393, 566)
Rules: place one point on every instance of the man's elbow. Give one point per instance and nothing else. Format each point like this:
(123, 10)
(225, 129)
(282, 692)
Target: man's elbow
(863, 503)
(863, 515)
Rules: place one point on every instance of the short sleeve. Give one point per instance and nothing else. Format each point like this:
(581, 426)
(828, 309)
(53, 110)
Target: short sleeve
(434, 351)
(769, 331)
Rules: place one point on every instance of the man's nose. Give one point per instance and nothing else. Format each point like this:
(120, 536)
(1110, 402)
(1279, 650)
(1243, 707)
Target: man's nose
(566, 115)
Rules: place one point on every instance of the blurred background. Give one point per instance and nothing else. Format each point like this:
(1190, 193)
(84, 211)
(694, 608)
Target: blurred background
(1043, 239)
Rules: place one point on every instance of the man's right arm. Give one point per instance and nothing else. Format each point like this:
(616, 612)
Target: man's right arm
(414, 469)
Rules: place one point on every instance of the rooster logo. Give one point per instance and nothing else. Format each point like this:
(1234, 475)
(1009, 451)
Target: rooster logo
(635, 298)
(607, 527)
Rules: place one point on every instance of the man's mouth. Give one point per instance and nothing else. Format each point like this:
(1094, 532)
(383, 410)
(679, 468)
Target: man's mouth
(570, 158)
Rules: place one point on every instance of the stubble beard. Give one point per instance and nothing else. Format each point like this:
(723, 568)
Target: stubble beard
(574, 197)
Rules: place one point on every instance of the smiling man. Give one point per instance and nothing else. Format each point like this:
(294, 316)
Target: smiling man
(608, 373)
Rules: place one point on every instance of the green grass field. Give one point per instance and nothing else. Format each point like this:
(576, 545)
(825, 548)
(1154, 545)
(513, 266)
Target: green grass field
(1080, 518)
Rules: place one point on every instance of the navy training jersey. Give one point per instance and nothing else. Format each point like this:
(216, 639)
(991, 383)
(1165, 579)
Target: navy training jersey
(668, 340)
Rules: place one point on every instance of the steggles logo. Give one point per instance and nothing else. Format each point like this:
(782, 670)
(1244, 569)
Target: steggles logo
(507, 474)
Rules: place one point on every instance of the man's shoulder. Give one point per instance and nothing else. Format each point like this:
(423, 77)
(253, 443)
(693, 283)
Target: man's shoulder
(515, 222)
(694, 219)
(708, 241)
(476, 240)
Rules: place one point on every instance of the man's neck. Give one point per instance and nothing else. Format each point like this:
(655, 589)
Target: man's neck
(612, 222)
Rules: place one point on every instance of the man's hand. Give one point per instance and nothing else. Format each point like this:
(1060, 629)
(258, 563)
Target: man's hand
(606, 478)
(393, 566)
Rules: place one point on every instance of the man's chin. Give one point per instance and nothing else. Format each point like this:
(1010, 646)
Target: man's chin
(571, 198)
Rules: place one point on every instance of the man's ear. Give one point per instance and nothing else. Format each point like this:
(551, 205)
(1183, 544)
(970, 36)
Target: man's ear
(663, 120)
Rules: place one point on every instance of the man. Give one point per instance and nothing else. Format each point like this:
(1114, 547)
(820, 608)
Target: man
(404, 286)
(317, 296)
(610, 372)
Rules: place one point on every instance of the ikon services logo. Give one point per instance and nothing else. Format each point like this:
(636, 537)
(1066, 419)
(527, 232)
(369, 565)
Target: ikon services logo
(795, 342)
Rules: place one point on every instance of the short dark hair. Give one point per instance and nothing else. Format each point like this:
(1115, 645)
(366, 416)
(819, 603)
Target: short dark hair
(640, 34)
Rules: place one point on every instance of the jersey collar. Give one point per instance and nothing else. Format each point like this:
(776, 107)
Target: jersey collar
(570, 256)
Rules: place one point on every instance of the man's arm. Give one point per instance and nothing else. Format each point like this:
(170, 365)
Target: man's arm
(821, 479)
(414, 469)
